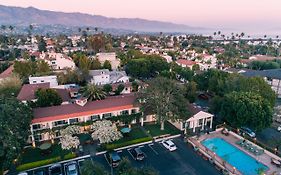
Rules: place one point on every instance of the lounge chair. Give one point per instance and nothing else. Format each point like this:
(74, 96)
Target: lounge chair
(276, 162)
(239, 142)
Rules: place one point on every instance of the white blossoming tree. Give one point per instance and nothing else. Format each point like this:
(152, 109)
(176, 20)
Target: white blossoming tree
(67, 140)
(105, 131)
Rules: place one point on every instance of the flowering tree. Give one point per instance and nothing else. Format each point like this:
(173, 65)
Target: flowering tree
(105, 131)
(67, 139)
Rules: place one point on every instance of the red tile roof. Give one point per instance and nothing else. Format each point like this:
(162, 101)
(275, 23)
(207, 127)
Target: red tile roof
(109, 104)
(7, 72)
(186, 62)
(27, 91)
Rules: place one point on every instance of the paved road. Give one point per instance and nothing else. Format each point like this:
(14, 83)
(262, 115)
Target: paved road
(183, 161)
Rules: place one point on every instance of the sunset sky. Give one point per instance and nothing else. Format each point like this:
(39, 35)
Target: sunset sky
(236, 14)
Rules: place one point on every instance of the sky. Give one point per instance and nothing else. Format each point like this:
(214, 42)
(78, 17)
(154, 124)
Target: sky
(221, 14)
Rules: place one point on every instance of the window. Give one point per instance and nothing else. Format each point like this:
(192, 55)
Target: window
(95, 117)
(42, 81)
(61, 122)
(38, 137)
(57, 134)
(36, 126)
(107, 115)
(125, 112)
(133, 111)
(73, 120)
(53, 62)
(34, 81)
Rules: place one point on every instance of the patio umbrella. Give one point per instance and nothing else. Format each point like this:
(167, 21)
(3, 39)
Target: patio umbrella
(45, 146)
(126, 130)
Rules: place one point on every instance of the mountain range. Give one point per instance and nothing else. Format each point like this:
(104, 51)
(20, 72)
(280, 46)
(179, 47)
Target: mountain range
(26, 16)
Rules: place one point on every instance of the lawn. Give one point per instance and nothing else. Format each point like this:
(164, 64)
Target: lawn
(137, 135)
(154, 129)
(35, 154)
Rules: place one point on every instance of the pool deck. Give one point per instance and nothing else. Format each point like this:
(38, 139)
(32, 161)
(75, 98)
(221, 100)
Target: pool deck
(233, 138)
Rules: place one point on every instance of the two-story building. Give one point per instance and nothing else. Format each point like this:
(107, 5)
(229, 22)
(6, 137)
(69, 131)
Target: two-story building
(104, 76)
(58, 61)
(53, 117)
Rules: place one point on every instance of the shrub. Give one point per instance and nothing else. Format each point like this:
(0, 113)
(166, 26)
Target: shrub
(131, 142)
(70, 155)
(37, 164)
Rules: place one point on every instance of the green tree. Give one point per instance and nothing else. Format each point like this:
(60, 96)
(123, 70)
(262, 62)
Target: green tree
(15, 119)
(107, 65)
(92, 92)
(42, 67)
(246, 109)
(96, 64)
(10, 86)
(24, 69)
(107, 88)
(191, 89)
(135, 86)
(42, 45)
(119, 89)
(164, 97)
(47, 97)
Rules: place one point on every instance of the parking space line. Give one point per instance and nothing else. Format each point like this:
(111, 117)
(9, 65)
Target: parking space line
(150, 146)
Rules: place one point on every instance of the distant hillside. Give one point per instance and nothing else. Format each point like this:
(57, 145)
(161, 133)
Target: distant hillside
(26, 16)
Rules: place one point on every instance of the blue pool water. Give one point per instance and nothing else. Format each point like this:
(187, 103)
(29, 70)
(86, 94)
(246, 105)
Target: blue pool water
(235, 157)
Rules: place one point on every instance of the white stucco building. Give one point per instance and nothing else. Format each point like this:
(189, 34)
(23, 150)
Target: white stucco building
(104, 76)
(44, 79)
(111, 57)
(58, 61)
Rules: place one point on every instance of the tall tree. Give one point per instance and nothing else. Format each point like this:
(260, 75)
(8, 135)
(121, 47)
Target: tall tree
(15, 119)
(92, 92)
(165, 99)
(107, 65)
(47, 97)
(191, 89)
(93, 168)
(246, 109)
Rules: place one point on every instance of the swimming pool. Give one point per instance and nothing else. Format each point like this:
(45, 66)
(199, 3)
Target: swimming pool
(235, 157)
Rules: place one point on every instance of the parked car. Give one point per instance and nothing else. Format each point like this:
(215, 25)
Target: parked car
(248, 132)
(23, 173)
(55, 169)
(39, 172)
(112, 158)
(137, 154)
(169, 145)
(279, 128)
(71, 168)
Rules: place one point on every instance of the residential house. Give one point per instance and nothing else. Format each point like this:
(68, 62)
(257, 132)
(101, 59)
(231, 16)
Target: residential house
(7, 73)
(111, 57)
(44, 79)
(58, 61)
(104, 76)
(186, 63)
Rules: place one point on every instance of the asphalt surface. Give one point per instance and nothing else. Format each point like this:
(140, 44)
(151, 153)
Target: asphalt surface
(183, 161)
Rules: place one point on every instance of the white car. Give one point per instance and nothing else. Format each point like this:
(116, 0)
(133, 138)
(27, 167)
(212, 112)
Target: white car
(71, 168)
(169, 145)
(279, 128)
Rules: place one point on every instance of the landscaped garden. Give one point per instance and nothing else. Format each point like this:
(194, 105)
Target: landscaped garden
(154, 129)
(34, 157)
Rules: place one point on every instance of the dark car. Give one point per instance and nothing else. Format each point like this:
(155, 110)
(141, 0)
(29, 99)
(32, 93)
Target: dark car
(112, 158)
(55, 169)
(137, 154)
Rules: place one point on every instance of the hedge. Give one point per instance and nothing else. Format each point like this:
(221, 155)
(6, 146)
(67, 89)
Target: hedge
(131, 142)
(45, 162)
(38, 163)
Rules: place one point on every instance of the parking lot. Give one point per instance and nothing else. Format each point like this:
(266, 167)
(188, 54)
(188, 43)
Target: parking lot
(183, 161)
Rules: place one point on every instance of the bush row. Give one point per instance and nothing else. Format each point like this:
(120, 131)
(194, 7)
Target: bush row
(131, 142)
(45, 162)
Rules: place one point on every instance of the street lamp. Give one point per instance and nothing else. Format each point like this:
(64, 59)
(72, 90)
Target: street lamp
(275, 150)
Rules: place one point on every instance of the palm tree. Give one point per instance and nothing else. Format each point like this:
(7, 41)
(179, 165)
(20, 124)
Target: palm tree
(92, 92)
